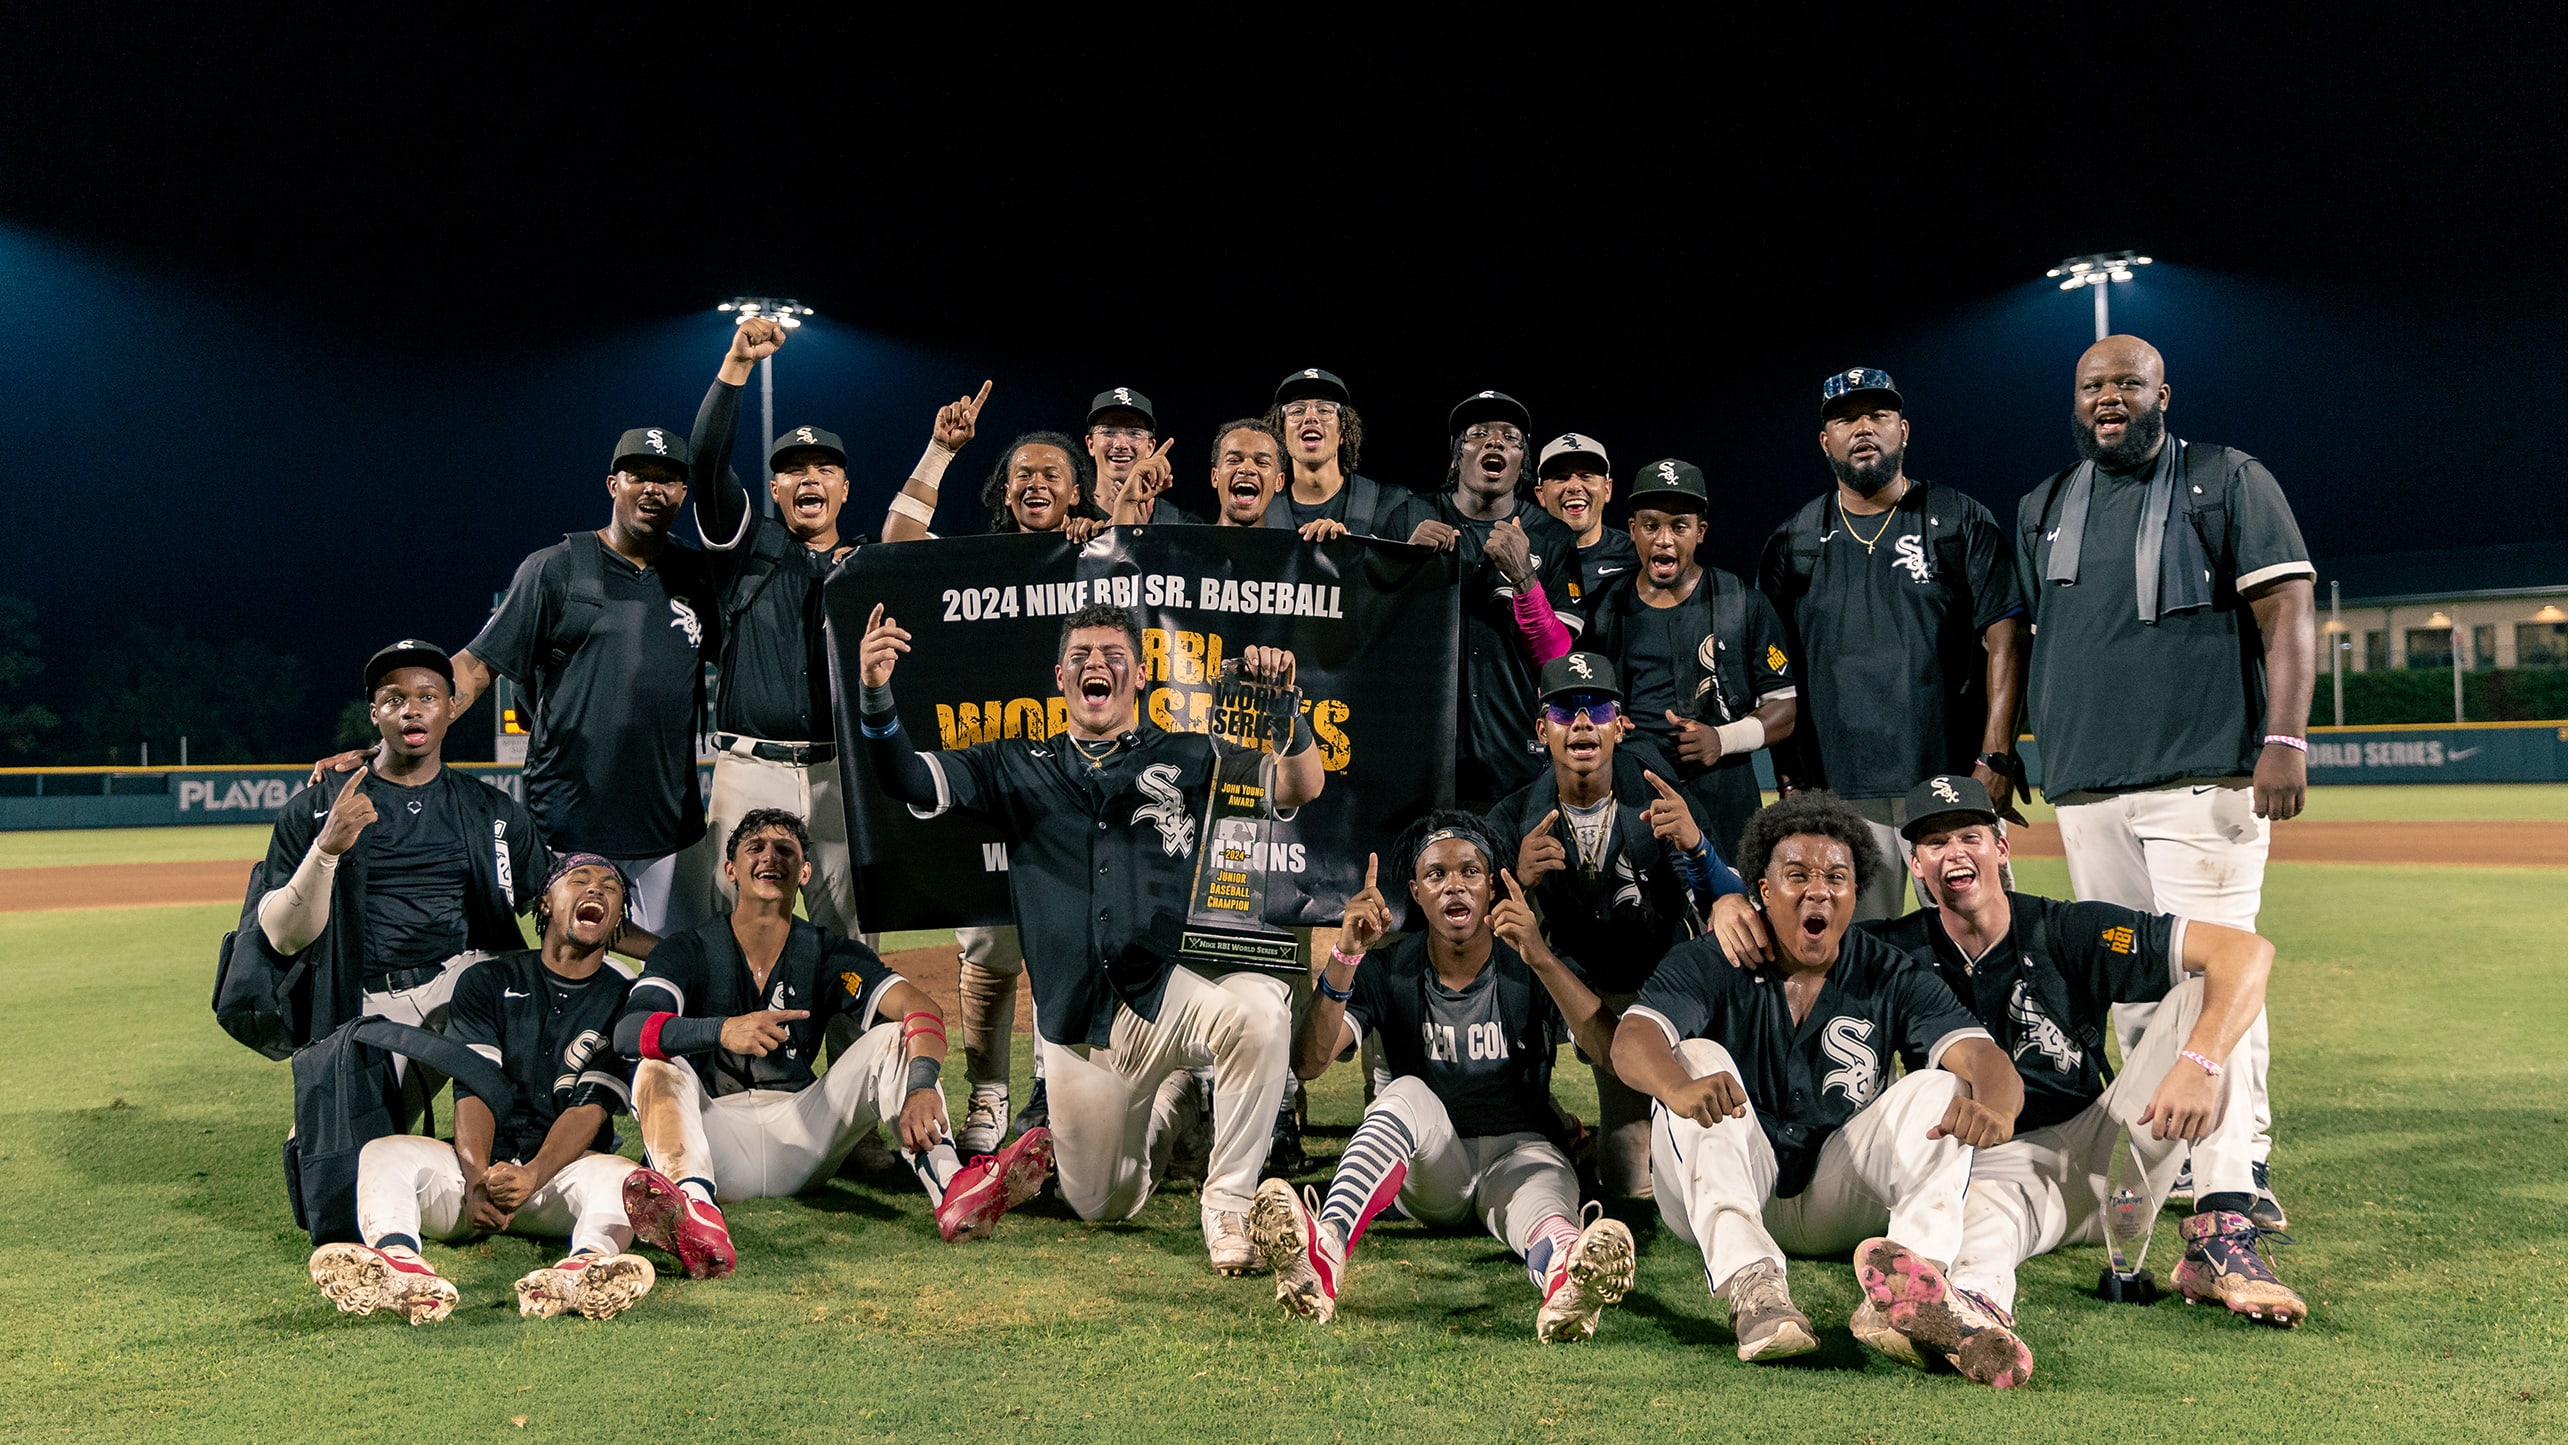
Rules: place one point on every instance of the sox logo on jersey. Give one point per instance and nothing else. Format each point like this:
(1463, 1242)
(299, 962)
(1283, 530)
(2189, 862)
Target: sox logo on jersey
(686, 618)
(1166, 809)
(1848, 1042)
(2038, 1033)
(1912, 555)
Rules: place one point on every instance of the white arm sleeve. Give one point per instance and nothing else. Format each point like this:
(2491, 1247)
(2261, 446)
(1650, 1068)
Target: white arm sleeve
(294, 915)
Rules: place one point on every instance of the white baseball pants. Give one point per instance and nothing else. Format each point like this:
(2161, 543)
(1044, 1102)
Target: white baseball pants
(1509, 1182)
(742, 782)
(414, 1186)
(767, 1143)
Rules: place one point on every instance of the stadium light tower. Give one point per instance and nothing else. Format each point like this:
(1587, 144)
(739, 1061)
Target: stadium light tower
(2096, 273)
(788, 314)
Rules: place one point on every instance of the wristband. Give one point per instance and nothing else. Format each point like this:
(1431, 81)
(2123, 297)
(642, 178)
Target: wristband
(1299, 739)
(922, 1074)
(2287, 740)
(930, 471)
(905, 505)
(2208, 1066)
(651, 1036)
(1329, 991)
(1744, 736)
(1339, 955)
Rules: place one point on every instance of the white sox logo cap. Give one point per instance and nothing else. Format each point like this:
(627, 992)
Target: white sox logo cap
(1123, 398)
(1312, 382)
(1941, 798)
(1488, 406)
(651, 444)
(1579, 672)
(806, 439)
(1568, 448)
(1671, 485)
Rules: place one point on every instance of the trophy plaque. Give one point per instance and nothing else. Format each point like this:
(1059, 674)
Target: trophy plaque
(1225, 929)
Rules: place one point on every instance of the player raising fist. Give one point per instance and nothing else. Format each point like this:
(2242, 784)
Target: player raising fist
(1469, 1009)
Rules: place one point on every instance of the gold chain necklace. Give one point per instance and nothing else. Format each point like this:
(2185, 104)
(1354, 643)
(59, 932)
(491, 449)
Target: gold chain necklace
(1097, 760)
(1886, 519)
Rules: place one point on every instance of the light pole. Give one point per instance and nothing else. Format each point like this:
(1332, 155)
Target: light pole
(2097, 272)
(788, 314)
(2337, 642)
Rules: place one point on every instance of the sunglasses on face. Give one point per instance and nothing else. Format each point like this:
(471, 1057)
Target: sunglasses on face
(1564, 711)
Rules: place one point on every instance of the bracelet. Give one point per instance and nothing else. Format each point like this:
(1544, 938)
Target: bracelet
(922, 1074)
(1338, 955)
(2208, 1066)
(1330, 992)
(930, 471)
(905, 505)
(2287, 740)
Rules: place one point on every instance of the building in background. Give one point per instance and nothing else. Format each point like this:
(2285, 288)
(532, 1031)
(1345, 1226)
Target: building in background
(2502, 606)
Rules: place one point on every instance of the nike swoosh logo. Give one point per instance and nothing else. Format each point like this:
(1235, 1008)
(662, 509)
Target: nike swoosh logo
(2454, 755)
(1607, 571)
(512, 993)
(322, 814)
(2198, 792)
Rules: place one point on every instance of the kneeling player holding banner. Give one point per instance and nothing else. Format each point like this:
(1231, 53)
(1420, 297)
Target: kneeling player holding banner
(1470, 1011)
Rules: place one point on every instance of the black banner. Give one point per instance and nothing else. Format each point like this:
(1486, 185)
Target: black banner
(1375, 627)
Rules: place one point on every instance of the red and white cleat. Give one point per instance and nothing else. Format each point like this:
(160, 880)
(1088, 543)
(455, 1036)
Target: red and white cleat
(993, 1184)
(600, 1286)
(666, 1218)
(1306, 1256)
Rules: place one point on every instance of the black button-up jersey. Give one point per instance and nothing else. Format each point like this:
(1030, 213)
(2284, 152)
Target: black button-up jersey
(552, 1036)
(701, 974)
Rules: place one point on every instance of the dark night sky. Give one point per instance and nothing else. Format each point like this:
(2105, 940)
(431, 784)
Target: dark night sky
(310, 337)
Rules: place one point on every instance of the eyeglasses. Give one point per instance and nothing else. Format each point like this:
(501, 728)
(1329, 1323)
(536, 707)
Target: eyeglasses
(1503, 435)
(1599, 711)
(1121, 433)
(1299, 409)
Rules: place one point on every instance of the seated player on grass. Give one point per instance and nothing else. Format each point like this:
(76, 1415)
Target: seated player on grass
(1469, 1010)
(725, 1025)
(1616, 885)
(2042, 975)
(1778, 1126)
(542, 1015)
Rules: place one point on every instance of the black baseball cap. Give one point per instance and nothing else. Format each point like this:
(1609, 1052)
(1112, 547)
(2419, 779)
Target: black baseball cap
(409, 652)
(1587, 672)
(1123, 398)
(1857, 381)
(1943, 796)
(807, 439)
(1670, 486)
(652, 444)
(1488, 406)
(1569, 446)
(1312, 382)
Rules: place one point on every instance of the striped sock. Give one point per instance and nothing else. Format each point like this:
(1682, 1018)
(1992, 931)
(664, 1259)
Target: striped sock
(1553, 1239)
(1369, 1174)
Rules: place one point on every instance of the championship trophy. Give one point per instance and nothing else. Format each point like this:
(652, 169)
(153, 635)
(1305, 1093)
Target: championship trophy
(1225, 928)
(2130, 1218)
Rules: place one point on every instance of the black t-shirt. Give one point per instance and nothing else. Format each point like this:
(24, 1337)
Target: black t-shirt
(416, 872)
(2044, 990)
(1485, 1050)
(1893, 666)
(1806, 1080)
(552, 1036)
(610, 767)
(702, 974)
(2121, 704)
(1714, 672)
(1499, 750)
(1097, 855)
(1610, 556)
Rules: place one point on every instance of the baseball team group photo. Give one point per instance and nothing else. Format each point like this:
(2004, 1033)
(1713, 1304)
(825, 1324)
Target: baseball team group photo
(1311, 884)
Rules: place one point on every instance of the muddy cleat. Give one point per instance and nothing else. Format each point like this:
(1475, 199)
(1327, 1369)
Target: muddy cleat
(1963, 1327)
(1226, 1241)
(2221, 1266)
(992, 1185)
(671, 1221)
(985, 1123)
(1037, 1113)
(2267, 1211)
(1598, 1272)
(1309, 1260)
(600, 1286)
(360, 1281)
(1762, 1315)
(2181, 1192)
(1284, 1152)
(1872, 1326)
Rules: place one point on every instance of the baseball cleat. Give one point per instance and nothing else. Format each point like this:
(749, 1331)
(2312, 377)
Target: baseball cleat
(1597, 1273)
(2221, 1266)
(600, 1286)
(360, 1281)
(1872, 1326)
(985, 1123)
(992, 1185)
(1226, 1241)
(1284, 1152)
(673, 1222)
(1762, 1314)
(1309, 1259)
(1037, 1113)
(2267, 1211)
(2182, 1190)
(1963, 1327)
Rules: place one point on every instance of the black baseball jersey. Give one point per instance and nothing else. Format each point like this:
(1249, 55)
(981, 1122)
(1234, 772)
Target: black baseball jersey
(2121, 704)
(1485, 1050)
(418, 864)
(1498, 750)
(552, 1036)
(1097, 853)
(1610, 556)
(2044, 990)
(1888, 637)
(1619, 911)
(610, 767)
(702, 974)
(1807, 1079)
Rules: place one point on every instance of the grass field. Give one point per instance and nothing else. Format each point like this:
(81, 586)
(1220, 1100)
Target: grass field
(151, 1285)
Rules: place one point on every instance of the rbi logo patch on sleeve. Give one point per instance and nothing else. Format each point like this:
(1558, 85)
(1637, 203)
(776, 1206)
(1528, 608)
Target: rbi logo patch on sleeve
(2120, 940)
(1775, 660)
(855, 983)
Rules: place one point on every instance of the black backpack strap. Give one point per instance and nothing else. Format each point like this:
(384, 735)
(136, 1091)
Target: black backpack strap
(582, 601)
(470, 1071)
(1803, 536)
(2207, 474)
(760, 569)
(1363, 497)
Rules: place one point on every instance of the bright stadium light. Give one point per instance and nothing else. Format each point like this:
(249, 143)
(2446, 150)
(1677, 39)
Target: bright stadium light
(788, 314)
(2096, 273)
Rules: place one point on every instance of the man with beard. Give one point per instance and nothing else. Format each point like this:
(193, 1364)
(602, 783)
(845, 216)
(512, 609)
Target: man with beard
(1120, 429)
(1101, 825)
(2041, 975)
(1779, 1126)
(2174, 649)
(1573, 481)
(1699, 651)
(1899, 600)
(1516, 563)
(1316, 417)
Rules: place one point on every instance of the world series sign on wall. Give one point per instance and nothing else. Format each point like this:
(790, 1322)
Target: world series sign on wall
(1374, 626)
